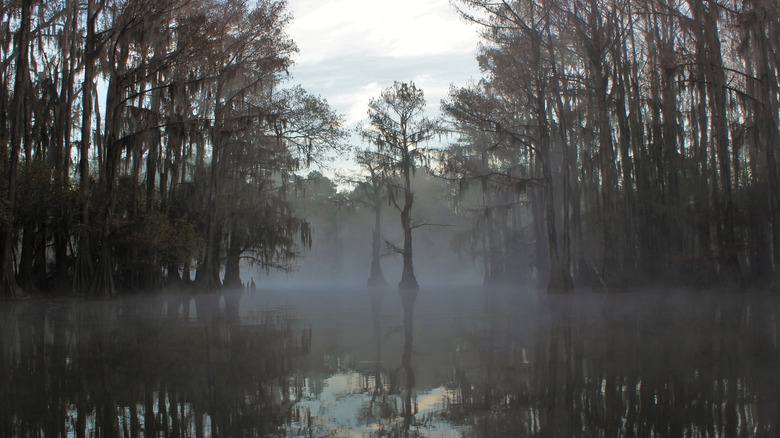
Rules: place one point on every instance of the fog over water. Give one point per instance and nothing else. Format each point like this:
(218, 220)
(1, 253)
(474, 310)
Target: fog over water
(307, 218)
(340, 254)
(469, 361)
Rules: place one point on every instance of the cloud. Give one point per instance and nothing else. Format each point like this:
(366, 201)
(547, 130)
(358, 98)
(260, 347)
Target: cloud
(352, 49)
(347, 83)
(357, 102)
(397, 28)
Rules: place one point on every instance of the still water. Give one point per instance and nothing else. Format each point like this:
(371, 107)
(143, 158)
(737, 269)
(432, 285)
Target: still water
(464, 361)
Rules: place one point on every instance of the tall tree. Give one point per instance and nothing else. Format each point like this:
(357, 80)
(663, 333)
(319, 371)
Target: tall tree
(647, 120)
(372, 190)
(252, 51)
(19, 125)
(84, 264)
(518, 109)
(193, 104)
(398, 128)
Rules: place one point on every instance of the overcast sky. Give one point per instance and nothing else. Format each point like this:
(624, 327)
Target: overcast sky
(352, 49)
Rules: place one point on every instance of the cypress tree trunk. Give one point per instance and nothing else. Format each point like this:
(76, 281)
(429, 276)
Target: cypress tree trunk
(62, 225)
(26, 274)
(720, 136)
(559, 278)
(233, 262)
(377, 278)
(408, 280)
(207, 276)
(8, 286)
(83, 271)
(103, 284)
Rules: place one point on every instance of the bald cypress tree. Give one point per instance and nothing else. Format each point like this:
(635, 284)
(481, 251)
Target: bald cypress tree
(398, 129)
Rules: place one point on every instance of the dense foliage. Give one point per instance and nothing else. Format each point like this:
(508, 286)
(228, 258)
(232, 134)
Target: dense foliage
(144, 141)
(624, 141)
(611, 143)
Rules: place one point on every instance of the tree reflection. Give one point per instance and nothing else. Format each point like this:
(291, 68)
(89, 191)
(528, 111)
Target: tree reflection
(378, 406)
(524, 365)
(393, 387)
(591, 367)
(389, 407)
(408, 300)
(139, 367)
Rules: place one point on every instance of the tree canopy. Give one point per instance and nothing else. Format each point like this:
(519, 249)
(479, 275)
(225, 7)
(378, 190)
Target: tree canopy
(183, 132)
(639, 139)
(610, 143)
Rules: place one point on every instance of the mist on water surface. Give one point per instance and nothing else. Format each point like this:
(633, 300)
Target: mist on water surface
(468, 361)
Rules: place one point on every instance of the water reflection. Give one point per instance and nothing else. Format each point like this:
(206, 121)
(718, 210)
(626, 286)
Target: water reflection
(142, 367)
(468, 362)
(365, 390)
(642, 365)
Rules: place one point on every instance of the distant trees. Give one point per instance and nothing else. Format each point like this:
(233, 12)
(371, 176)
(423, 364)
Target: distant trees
(494, 182)
(372, 192)
(398, 129)
(183, 137)
(643, 135)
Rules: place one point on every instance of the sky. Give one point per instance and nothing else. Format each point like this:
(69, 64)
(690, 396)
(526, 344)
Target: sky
(352, 49)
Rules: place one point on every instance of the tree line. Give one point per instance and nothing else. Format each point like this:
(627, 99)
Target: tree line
(610, 143)
(623, 143)
(145, 140)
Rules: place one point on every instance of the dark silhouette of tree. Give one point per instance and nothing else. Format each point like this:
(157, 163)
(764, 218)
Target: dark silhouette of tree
(646, 124)
(372, 194)
(398, 129)
(192, 105)
(19, 123)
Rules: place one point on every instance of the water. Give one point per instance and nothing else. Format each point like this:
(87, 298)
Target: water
(346, 362)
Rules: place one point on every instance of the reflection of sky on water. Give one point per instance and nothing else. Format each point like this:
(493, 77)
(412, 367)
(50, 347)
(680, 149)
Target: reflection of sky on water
(307, 364)
(339, 408)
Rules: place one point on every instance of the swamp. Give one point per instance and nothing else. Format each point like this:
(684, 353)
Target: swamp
(450, 218)
(471, 361)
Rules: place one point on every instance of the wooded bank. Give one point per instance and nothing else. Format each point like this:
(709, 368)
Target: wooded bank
(611, 143)
(640, 137)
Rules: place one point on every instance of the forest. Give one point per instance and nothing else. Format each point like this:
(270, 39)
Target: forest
(188, 165)
(609, 144)
(641, 136)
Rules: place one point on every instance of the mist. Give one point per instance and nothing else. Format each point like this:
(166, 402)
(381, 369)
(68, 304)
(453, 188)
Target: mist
(341, 232)
(580, 237)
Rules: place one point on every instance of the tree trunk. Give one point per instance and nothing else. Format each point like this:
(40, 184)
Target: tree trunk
(154, 146)
(26, 275)
(103, 284)
(377, 278)
(560, 277)
(8, 286)
(62, 225)
(83, 271)
(770, 139)
(408, 280)
(233, 262)
(610, 266)
(720, 135)
(207, 276)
